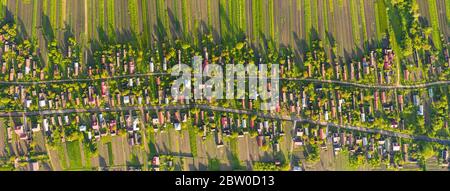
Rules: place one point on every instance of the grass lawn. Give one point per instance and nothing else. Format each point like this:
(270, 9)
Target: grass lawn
(74, 154)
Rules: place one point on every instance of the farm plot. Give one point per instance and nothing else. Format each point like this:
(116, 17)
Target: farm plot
(57, 159)
(308, 19)
(322, 19)
(12, 9)
(369, 18)
(3, 140)
(137, 157)
(209, 149)
(256, 153)
(330, 29)
(243, 151)
(193, 164)
(447, 11)
(283, 24)
(286, 22)
(22, 147)
(355, 22)
(105, 155)
(3, 8)
(25, 18)
(74, 155)
(119, 150)
(162, 143)
(39, 139)
(202, 152)
(347, 30)
(381, 19)
(443, 7)
(122, 18)
(173, 142)
(187, 149)
(434, 20)
(76, 18)
(343, 31)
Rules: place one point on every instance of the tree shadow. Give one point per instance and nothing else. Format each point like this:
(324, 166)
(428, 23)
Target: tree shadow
(23, 34)
(102, 161)
(49, 34)
(160, 31)
(234, 33)
(301, 47)
(176, 30)
(67, 34)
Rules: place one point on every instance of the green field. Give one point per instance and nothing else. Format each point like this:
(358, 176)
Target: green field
(447, 11)
(257, 24)
(325, 21)
(434, 20)
(133, 11)
(381, 19)
(355, 23)
(362, 16)
(308, 20)
(111, 18)
(3, 8)
(74, 154)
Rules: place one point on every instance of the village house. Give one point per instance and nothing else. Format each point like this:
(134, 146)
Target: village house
(21, 132)
(36, 128)
(113, 127)
(400, 102)
(82, 128)
(396, 147)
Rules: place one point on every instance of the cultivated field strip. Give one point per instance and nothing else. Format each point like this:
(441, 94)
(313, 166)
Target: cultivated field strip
(349, 24)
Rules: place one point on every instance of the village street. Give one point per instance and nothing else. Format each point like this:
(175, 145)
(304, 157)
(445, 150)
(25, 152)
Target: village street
(338, 82)
(230, 110)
